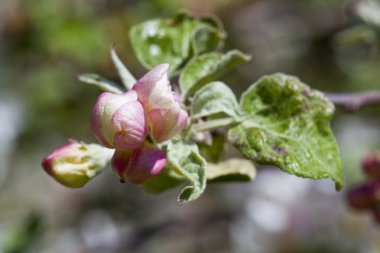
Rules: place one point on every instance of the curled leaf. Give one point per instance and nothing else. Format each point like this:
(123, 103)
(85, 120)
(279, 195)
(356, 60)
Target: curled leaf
(234, 169)
(185, 160)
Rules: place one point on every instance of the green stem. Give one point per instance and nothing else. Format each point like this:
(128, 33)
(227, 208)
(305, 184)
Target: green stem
(213, 124)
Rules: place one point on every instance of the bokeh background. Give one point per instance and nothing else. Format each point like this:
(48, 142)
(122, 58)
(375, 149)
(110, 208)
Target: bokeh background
(331, 45)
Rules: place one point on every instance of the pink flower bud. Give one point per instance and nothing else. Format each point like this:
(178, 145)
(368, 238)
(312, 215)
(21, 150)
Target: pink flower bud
(138, 165)
(118, 120)
(163, 111)
(361, 197)
(376, 215)
(74, 164)
(371, 165)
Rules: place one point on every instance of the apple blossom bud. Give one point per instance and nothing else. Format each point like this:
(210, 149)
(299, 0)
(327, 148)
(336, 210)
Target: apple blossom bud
(371, 165)
(138, 165)
(163, 111)
(118, 120)
(361, 197)
(74, 164)
(376, 215)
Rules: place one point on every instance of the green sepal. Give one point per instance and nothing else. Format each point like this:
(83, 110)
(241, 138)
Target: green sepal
(126, 77)
(100, 82)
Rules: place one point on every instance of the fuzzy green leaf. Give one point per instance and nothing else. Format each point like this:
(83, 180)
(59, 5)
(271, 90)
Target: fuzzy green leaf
(204, 68)
(100, 82)
(288, 125)
(174, 40)
(214, 98)
(208, 38)
(185, 160)
(231, 170)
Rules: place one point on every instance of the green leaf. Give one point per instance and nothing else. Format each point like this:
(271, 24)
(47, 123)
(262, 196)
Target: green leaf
(288, 125)
(204, 68)
(126, 77)
(100, 82)
(214, 98)
(185, 160)
(208, 38)
(231, 170)
(173, 40)
(167, 179)
(213, 151)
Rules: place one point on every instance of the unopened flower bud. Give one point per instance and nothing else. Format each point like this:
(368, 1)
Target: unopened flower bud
(376, 214)
(118, 120)
(138, 165)
(371, 165)
(163, 111)
(74, 164)
(361, 197)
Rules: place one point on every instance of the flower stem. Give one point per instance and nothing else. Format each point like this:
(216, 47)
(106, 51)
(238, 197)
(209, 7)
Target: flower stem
(213, 124)
(352, 102)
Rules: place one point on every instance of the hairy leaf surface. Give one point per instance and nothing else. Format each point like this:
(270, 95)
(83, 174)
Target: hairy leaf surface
(288, 125)
(206, 67)
(185, 159)
(214, 98)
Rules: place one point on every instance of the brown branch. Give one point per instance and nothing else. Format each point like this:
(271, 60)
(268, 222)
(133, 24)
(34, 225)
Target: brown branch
(354, 101)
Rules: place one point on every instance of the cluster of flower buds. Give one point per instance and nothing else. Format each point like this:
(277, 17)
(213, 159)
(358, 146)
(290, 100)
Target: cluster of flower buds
(123, 122)
(367, 195)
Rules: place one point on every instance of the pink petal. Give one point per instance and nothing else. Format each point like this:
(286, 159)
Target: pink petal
(120, 161)
(128, 123)
(154, 88)
(68, 150)
(145, 163)
(181, 122)
(106, 105)
(176, 97)
(164, 124)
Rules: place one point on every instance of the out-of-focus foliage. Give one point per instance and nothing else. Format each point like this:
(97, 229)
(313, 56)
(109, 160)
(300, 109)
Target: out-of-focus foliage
(22, 236)
(175, 40)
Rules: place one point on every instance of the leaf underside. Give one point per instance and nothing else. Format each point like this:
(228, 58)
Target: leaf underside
(185, 159)
(231, 170)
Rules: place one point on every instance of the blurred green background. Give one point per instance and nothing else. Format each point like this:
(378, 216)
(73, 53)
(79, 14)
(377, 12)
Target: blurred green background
(44, 45)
